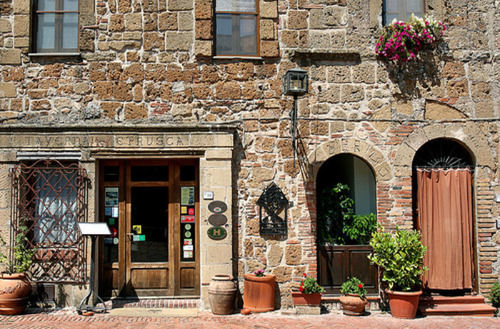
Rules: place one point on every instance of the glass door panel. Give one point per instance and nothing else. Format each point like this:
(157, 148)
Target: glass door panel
(149, 231)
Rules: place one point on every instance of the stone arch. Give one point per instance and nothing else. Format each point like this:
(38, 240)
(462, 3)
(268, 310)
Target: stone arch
(364, 150)
(468, 135)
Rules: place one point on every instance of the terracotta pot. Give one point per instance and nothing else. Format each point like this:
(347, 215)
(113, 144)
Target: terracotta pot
(14, 292)
(403, 305)
(306, 299)
(221, 293)
(258, 295)
(353, 304)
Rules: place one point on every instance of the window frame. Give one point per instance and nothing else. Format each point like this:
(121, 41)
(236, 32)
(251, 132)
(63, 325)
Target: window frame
(58, 28)
(233, 13)
(384, 11)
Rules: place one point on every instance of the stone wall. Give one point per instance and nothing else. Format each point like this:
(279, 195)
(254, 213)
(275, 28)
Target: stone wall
(151, 62)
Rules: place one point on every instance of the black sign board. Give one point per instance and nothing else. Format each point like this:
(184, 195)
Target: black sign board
(273, 201)
(217, 207)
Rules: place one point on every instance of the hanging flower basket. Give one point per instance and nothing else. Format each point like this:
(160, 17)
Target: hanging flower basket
(401, 42)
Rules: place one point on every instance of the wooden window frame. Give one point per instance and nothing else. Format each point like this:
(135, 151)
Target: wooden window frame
(400, 11)
(58, 28)
(256, 13)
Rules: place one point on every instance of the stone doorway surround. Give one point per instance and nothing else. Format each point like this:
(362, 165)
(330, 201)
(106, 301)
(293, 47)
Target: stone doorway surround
(213, 146)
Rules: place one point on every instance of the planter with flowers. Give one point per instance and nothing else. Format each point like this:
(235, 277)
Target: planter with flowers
(309, 292)
(353, 297)
(402, 42)
(15, 286)
(259, 292)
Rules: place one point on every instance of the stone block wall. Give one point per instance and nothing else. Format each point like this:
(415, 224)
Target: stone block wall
(151, 62)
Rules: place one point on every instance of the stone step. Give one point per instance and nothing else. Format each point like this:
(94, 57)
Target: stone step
(474, 309)
(152, 303)
(469, 299)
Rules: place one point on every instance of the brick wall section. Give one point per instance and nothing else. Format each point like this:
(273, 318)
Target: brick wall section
(150, 62)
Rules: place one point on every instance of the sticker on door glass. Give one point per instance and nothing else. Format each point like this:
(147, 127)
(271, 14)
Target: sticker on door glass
(111, 196)
(190, 211)
(137, 229)
(184, 210)
(187, 195)
(187, 227)
(114, 212)
(187, 219)
(188, 242)
(188, 254)
(187, 234)
(188, 247)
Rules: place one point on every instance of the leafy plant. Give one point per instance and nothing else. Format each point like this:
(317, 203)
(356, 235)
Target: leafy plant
(401, 256)
(310, 286)
(495, 295)
(402, 41)
(337, 222)
(23, 256)
(353, 286)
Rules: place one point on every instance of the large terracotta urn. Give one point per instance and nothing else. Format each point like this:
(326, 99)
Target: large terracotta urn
(221, 292)
(403, 304)
(258, 295)
(353, 304)
(14, 292)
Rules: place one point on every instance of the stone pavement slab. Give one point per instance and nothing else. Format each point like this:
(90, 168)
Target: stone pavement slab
(205, 320)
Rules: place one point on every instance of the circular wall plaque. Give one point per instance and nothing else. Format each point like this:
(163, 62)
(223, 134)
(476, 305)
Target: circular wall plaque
(217, 219)
(217, 233)
(217, 207)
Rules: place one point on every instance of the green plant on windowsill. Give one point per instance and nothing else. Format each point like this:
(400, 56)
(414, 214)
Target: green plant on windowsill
(22, 255)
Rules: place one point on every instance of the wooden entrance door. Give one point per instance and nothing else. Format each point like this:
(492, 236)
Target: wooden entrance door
(152, 209)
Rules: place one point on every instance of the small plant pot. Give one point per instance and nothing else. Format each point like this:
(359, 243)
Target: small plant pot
(306, 299)
(403, 305)
(353, 304)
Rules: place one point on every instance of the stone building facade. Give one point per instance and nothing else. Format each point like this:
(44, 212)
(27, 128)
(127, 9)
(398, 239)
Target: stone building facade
(146, 83)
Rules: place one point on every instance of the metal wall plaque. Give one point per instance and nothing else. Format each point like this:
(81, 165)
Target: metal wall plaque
(273, 201)
(216, 232)
(217, 207)
(217, 219)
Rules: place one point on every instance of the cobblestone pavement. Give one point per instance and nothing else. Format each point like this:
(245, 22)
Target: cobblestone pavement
(205, 320)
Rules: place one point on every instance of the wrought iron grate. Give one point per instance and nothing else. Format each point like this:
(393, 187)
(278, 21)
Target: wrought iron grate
(49, 197)
(274, 202)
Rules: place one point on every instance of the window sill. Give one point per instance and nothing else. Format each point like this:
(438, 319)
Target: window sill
(257, 58)
(54, 54)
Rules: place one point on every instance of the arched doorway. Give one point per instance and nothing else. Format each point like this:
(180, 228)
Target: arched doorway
(443, 211)
(346, 208)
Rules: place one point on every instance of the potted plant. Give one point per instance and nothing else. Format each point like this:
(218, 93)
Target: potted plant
(258, 294)
(401, 42)
(309, 292)
(14, 284)
(495, 296)
(400, 256)
(353, 297)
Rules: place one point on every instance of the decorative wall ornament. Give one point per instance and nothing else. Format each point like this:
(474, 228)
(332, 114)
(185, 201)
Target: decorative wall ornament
(274, 202)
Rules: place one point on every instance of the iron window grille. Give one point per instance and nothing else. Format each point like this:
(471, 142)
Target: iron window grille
(49, 198)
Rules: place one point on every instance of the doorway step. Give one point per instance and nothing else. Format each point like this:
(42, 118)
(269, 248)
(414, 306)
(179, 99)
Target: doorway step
(184, 303)
(455, 306)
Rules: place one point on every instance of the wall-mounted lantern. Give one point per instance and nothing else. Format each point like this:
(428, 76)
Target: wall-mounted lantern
(295, 82)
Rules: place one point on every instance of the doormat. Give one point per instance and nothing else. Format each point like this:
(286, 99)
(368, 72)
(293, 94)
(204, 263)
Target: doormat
(160, 312)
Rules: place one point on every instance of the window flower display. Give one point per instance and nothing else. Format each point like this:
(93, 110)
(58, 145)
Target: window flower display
(401, 42)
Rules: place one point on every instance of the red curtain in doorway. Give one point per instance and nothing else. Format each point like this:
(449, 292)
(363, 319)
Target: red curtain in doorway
(445, 219)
